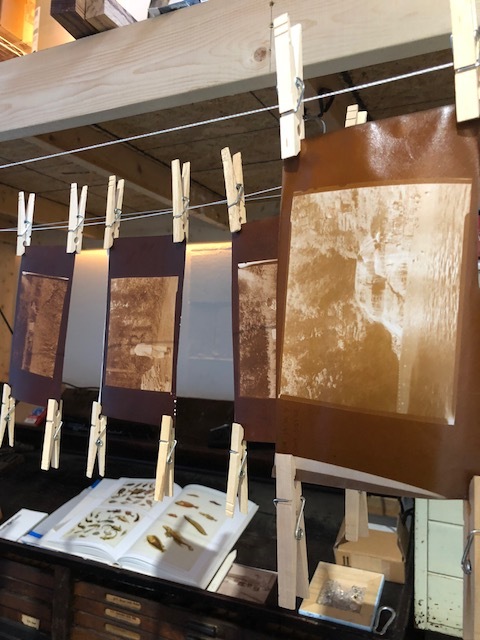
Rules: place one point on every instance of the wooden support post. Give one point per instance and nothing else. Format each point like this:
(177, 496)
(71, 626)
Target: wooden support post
(292, 564)
(107, 14)
(471, 564)
(356, 514)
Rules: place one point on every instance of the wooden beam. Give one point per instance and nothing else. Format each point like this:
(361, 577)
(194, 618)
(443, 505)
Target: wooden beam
(70, 14)
(107, 14)
(46, 211)
(208, 50)
(142, 173)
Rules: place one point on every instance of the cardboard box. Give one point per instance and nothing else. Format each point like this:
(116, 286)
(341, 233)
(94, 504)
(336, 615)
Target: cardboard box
(385, 548)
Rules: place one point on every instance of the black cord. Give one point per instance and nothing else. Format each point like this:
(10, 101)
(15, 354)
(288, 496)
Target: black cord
(347, 78)
(6, 321)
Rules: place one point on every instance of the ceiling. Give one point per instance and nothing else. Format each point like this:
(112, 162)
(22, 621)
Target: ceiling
(145, 163)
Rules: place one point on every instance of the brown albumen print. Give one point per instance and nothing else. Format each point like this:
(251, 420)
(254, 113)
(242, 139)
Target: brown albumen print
(40, 309)
(141, 332)
(373, 296)
(257, 288)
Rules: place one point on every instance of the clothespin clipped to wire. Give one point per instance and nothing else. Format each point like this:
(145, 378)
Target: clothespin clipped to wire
(354, 116)
(180, 200)
(237, 483)
(292, 563)
(113, 212)
(466, 62)
(235, 189)
(7, 415)
(165, 460)
(290, 85)
(76, 218)
(51, 440)
(25, 222)
(97, 441)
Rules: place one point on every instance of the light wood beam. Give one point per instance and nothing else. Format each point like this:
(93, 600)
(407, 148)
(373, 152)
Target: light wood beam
(107, 14)
(142, 173)
(208, 50)
(46, 211)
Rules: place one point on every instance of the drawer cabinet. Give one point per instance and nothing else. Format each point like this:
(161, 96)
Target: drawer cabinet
(26, 594)
(103, 613)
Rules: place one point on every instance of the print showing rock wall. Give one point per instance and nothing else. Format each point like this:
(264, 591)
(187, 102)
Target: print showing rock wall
(373, 296)
(40, 309)
(257, 287)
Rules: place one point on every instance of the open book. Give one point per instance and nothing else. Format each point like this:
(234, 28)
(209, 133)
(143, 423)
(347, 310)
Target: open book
(185, 538)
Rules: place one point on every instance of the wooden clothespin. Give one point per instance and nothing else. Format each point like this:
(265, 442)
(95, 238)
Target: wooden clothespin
(237, 483)
(290, 85)
(97, 441)
(291, 541)
(354, 116)
(471, 563)
(76, 218)
(51, 440)
(180, 200)
(465, 45)
(25, 222)
(356, 515)
(165, 460)
(235, 189)
(7, 415)
(113, 212)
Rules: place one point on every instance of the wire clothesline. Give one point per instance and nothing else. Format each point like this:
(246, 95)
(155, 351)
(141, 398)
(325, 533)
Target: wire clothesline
(251, 197)
(242, 114)
(127, 217)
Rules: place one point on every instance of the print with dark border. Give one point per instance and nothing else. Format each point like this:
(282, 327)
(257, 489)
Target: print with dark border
(26, 386)
(144, 257)
(422, 147)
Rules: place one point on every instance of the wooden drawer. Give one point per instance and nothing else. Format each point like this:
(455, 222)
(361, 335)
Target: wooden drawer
(102, 609)
(137, 626)
(26, 594)
(87, 596)
(113, 628)
(27, 573)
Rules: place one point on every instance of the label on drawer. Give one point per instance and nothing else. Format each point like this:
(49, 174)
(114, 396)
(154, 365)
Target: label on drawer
(123, 617)
(29, 621)
(122, 633)
(123, 602)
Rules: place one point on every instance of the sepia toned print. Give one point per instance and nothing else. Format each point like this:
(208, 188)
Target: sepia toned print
(40, 310)
(257, 289)
(141, 332)
(373, 297)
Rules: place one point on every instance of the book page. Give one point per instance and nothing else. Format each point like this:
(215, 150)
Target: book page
(105, 527)
(189, 540)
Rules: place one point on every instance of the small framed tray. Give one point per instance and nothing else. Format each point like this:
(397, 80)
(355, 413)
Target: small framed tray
(344, 595)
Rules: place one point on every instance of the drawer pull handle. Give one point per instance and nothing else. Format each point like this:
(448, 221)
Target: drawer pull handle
(209, 630)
